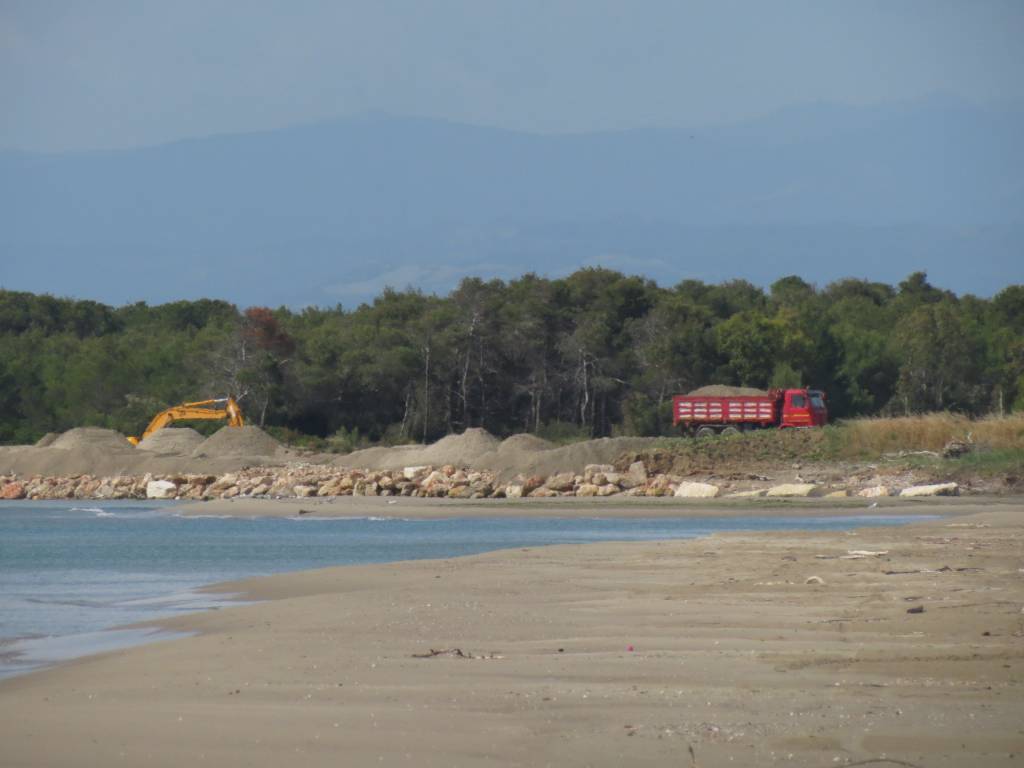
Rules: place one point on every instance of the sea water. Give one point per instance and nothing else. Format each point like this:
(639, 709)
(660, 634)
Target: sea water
(69, 571)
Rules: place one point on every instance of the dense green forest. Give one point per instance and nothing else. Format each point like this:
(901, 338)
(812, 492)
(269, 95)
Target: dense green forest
(594, 353)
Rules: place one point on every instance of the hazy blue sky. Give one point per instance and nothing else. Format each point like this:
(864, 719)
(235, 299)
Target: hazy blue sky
(97, 73)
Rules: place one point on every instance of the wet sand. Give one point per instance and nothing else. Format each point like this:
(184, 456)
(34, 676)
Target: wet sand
(705, 652)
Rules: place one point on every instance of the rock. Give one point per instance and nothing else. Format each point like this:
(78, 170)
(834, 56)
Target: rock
(875, 491)
(792, 489)
(608, 489)
(460, 492)
(230, 493)
(415, 473)
(954, 449)
(532, 483)
(514, 491)
(543, 493)
(587, 489)
(563, 481)
(592, 469)
(747, 494)
(689, 490)
(223, 483)
(304, 491)
(814, 580)
(13, 490)
(161, 489)
(635, 476)
(837, 495)
(940, 489)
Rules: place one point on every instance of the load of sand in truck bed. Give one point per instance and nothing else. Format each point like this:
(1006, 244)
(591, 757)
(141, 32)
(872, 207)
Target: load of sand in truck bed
(722, 390)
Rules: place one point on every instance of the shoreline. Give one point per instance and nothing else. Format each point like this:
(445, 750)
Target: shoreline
(600, 654)
(570, 507)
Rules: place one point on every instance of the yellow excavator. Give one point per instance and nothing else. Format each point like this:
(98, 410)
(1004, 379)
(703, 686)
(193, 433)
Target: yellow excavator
(220, 408)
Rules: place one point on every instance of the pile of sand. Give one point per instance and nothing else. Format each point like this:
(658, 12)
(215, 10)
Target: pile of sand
(721, 390)
(519, 454)
(237, 441)
(47, 439)
(179, 440)
(567, 458)
(92, 439)
(460, 450)
(524, 442)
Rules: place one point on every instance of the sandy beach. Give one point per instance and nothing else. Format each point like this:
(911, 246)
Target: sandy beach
(895, 646)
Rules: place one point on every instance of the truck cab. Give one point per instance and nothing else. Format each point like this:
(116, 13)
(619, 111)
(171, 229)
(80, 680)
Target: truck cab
(803, 408)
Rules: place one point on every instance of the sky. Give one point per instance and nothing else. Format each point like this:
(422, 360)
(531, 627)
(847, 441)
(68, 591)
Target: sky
(107, 74)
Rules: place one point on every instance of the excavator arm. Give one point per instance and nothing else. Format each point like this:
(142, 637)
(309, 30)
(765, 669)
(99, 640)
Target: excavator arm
(223, 408)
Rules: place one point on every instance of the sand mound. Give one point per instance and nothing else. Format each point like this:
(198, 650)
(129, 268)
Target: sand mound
(237, 441)
(524, 443)
(721, 390)
(47, 439)
(461, 450)
(92, 438)
(180, 440)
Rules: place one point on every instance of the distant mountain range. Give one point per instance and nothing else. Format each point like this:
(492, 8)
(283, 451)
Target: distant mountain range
(333, 212)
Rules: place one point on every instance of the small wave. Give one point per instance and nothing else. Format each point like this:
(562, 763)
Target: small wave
(99, 512)
(105, 514)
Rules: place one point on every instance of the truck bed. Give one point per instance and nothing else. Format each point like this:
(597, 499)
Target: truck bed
(739, 409)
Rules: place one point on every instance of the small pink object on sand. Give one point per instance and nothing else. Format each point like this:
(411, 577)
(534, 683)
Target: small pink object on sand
(629, 647)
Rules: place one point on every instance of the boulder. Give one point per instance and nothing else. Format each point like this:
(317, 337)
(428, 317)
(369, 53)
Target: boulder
(592, 469)
(305, 491)
(563, 481)
(635, 476)
(939, 489)
(587, 489)
(543, 493)
(161, 489)
(792, 489)
(514, 491)
(608, 489)
(460, 492)
(874, 492)
(747, 494)
(689, 490)
(13, 490)
(415, 473)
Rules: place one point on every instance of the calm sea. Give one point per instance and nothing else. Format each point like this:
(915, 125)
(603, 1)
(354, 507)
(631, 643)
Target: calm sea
(71, 570)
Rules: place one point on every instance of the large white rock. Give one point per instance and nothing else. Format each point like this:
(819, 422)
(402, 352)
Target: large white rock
(939, 489)
(747, 494)
(875, 491)
(792, 489)
(697, 491)
(412, 473)
(161, 489)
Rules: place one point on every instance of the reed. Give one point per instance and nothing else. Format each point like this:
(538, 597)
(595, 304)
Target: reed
(927, 432)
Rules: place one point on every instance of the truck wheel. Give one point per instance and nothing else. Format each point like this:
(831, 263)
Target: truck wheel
(730, 431)
(706, 432)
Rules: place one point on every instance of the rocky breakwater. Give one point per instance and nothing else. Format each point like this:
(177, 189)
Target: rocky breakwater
(446, 481)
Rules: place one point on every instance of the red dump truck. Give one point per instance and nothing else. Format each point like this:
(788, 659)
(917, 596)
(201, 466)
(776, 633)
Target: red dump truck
(706, 415)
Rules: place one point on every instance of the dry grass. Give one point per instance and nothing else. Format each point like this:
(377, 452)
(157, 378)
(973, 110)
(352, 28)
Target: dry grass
(929, 432)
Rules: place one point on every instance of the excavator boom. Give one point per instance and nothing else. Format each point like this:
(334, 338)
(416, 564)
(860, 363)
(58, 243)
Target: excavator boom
(225, 408)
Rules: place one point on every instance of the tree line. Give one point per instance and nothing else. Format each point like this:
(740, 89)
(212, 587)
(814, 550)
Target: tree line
(591, 354)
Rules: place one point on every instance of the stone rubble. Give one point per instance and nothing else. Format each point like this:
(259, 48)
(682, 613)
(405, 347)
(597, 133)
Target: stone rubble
(448, 481)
